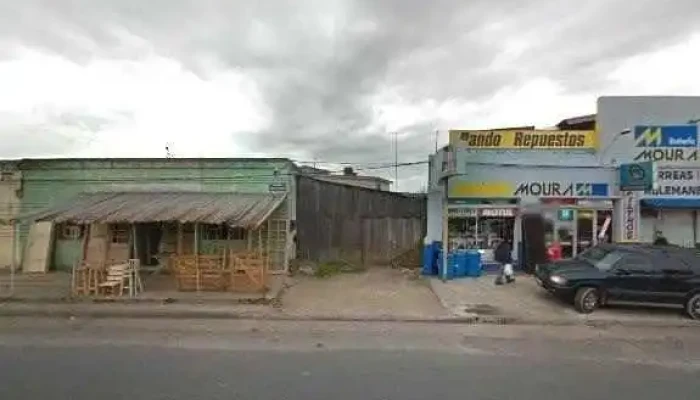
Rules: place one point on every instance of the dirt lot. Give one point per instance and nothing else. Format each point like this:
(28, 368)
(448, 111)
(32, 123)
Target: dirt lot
(377, 292)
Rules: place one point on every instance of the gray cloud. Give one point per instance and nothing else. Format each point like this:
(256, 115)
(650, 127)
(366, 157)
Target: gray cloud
(320, 63)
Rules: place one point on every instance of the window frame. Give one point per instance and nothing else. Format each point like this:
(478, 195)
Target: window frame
(119, 233)
(68, 231)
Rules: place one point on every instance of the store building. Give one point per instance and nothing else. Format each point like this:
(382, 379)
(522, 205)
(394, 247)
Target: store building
(673, 207)
(485, 184)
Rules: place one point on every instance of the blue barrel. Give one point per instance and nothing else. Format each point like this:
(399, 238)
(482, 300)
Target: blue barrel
(428, 259)
(473, 263)
(454, 263)
(437, 262)
(461, 263)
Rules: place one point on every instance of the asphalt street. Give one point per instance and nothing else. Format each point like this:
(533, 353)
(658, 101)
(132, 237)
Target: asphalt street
(139, 359)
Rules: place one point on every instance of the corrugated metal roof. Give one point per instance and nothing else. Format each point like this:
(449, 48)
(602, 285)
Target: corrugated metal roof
(245, 210)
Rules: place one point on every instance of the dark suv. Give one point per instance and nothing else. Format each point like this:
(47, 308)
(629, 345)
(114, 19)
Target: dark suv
(627, 272)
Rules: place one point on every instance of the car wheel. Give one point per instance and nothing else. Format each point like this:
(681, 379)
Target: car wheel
(586, 300)
(692, 306)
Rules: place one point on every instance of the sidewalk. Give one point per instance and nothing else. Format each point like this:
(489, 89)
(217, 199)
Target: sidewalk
(55, 287)
(376, 295)
(523, 302)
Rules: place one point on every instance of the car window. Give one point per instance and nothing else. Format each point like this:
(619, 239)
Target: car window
(594, 254)
(608, 260)
(635, 262)
(686, 259)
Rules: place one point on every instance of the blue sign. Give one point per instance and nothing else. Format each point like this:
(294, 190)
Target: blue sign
(638, 176)
(592, 189)
(666, 136)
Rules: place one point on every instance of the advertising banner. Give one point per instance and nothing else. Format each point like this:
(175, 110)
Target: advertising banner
(524, 139)
(630, 217)
(504, 189)
(676, 182)
(666, 143)
(638, 176)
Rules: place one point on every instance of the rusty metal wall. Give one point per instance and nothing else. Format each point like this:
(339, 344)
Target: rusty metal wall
(342, 222)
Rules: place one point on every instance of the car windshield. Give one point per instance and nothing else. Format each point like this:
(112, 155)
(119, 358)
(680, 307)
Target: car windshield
(608, 260)
(594, 254)
(600, 257)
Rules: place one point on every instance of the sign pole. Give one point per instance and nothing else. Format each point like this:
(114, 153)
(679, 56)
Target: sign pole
(445, 227)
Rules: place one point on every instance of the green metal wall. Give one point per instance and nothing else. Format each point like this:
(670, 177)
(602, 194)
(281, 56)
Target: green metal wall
(52, 182)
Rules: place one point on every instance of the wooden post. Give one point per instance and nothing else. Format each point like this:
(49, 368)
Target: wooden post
(13, 266)
(249, 234)
(86, 235)
(196, 253)
(179, 238)
(133, 241)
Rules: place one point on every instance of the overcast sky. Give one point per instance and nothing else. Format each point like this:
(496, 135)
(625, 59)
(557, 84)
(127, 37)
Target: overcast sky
(323, 80)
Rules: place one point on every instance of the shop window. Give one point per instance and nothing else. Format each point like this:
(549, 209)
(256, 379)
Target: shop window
(119, 233)
(70, 232)
(483, 229)
(238, 233)
(223, 232)
(493, 230)
(213, 232)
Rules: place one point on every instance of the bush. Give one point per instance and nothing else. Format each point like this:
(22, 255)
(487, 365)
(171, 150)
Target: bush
(331, 268)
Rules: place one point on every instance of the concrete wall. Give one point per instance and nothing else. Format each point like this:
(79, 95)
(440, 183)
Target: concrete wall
(10, 190)
(434, 215)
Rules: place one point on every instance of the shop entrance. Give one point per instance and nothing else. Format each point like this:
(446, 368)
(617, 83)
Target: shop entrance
(577, 229)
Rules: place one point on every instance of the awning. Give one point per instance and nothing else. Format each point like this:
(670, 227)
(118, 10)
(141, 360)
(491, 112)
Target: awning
(244, 210)
(673, 203)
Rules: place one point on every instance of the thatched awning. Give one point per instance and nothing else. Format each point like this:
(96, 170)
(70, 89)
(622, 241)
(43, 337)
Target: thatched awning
(244, 210)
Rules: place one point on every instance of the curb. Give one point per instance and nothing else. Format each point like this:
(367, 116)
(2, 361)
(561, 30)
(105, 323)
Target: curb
(130, 301)
(232, 315)
(165, 313)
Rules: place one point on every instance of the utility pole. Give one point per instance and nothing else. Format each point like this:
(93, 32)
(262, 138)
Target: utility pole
(437, 133)
(396, 159)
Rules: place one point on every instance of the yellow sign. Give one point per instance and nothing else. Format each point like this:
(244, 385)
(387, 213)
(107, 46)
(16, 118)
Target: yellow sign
(524, 139)
(481, 189)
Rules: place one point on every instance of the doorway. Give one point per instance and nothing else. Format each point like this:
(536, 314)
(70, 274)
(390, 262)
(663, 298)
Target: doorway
(533, 250)
(148, 243)
(577, 229)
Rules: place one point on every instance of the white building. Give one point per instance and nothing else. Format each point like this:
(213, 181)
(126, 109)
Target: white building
(486, 182)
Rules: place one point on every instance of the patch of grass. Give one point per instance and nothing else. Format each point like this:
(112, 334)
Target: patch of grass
(331, 268)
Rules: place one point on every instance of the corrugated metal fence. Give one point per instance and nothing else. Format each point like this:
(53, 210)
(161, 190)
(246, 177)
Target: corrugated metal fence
(342, 222)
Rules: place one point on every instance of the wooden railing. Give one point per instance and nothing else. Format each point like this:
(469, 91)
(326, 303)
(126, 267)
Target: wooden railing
(230, 271)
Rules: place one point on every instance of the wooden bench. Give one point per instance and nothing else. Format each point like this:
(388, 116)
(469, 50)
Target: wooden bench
(113, 284)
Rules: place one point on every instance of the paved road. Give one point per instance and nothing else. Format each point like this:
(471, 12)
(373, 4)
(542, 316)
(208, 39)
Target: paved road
(131, 359)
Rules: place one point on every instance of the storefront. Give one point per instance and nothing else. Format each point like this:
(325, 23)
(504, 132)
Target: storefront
(563, 186)
(672, 208)
(486, 204)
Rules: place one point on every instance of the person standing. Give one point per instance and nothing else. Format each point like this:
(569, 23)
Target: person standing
(503, 255)
(660, 239)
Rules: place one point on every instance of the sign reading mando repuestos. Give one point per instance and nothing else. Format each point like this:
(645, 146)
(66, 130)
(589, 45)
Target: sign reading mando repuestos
(524, 139)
